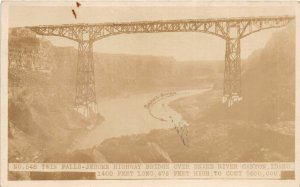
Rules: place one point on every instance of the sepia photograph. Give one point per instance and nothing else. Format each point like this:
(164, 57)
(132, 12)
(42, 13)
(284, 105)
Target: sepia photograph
(150, 92)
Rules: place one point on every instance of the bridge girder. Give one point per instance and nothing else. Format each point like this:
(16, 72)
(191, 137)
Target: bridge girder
(232, 30)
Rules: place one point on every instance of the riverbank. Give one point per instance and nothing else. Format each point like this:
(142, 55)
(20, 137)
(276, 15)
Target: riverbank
(209, 141)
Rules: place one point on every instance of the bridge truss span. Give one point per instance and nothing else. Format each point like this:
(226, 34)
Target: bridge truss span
(219, 27)
(232, 30)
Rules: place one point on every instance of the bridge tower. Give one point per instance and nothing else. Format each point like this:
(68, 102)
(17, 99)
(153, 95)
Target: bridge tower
(232, 72)
(85, 98)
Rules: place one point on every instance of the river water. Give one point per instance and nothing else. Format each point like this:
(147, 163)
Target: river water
(128, 116)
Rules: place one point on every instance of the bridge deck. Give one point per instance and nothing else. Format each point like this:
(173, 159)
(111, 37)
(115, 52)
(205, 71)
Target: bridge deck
(233, 19)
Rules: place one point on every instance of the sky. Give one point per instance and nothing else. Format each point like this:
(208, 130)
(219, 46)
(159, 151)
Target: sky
(181, 46)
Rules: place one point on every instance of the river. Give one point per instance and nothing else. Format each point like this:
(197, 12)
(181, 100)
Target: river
(129, 116)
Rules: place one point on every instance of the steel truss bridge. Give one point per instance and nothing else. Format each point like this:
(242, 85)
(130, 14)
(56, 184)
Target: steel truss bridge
(232, 30)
